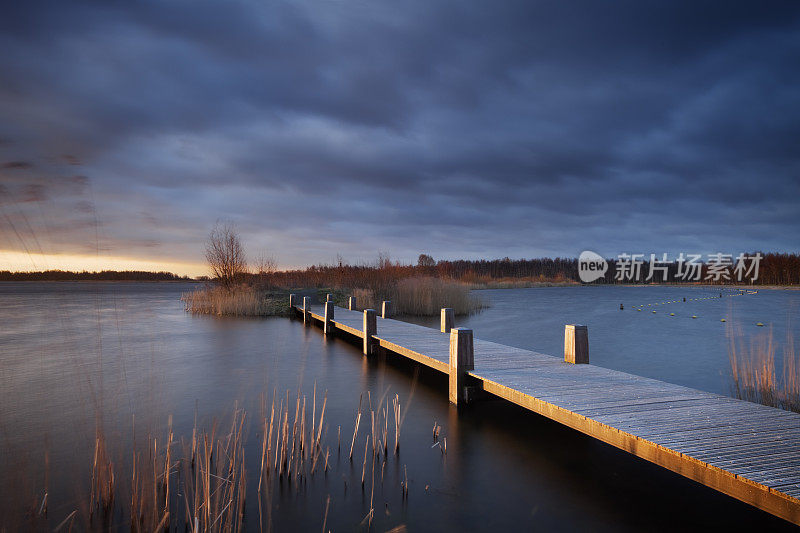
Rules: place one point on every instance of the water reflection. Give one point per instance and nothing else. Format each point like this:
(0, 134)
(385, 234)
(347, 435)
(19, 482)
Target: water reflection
(124, 352)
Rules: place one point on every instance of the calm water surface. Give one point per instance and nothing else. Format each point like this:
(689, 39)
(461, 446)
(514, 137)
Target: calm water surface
(126, 356)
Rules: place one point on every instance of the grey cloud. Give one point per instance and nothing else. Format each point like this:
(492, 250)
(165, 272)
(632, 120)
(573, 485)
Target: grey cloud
(518, 128)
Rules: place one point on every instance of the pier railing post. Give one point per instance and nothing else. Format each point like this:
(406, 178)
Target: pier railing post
(351, 303)
(576, 344)
(291, 301)
(306, 310)
(462, 360)
(328, 317)
(370, 329)
(448, 320)
(386, 309)
(328, 297)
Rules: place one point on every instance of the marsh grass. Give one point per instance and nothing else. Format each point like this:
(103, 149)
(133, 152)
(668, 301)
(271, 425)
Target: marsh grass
(754, 373)
(161, 482)
(422, 296)
(242, 300)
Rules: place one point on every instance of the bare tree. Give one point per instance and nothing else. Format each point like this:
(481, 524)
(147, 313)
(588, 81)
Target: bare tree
(225, 254)
(265, 266)
(426, 261)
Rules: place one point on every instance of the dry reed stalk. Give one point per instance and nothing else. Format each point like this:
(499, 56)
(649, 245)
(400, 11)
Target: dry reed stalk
(69, 518)
(355, 430)
(364, 466)
(103, 483)
(372, 427)
(396, 408)
(386, 429)
(316, 445)
(325, 520)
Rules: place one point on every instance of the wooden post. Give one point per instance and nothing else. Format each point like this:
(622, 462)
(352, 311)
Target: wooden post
(306, 310)
(448, 319)
(328, 297)
(462, 359)
(291, 301)
(370, 329)
(328, 318)
(386, 309)
(576, 344)
(351, 303)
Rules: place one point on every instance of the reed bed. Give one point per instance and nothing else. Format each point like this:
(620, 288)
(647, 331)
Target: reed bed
(200, 484)
(754, 373)
(242, 300)
(422, 296)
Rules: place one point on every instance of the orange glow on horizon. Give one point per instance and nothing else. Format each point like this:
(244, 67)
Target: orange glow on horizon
(23, 262)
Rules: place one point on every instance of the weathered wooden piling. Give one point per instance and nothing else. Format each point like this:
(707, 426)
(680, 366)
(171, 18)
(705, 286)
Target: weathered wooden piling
(351, 303)
(328, 297)
(291, 301)
(462, 360)
(306, 310)
(328, 318)
(386, 309)
(576, 344)
(370, 329)
(448, 320)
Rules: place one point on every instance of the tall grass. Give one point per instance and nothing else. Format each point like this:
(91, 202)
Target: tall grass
(242, 300)
(199, 484)
(755, 378)
(422, 296)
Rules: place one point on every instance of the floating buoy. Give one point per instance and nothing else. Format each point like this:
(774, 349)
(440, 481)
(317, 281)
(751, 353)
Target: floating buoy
(653, 311)
(672, 314)
(694, 316)
(722, 320)
(638, 309)
(759, 324)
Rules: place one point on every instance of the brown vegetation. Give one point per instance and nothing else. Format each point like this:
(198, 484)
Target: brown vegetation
(236, 300)
(423, 296)
(755, 378)
(199, 484)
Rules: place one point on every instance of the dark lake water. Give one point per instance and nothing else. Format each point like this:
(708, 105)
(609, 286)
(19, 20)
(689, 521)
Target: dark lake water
(127, 357)
(678, 349)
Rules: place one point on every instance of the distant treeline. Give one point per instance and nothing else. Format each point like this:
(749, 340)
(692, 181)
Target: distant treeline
(105, 275)
(773, 269)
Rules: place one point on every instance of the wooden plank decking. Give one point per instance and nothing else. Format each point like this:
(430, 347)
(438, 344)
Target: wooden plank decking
(748, 451)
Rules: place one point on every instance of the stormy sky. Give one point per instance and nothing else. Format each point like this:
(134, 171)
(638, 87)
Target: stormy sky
(459, 129)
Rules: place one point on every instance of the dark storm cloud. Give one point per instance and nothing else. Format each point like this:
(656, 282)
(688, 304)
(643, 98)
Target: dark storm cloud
(462, 129)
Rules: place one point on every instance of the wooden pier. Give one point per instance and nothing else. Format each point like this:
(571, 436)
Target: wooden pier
(745, 450)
